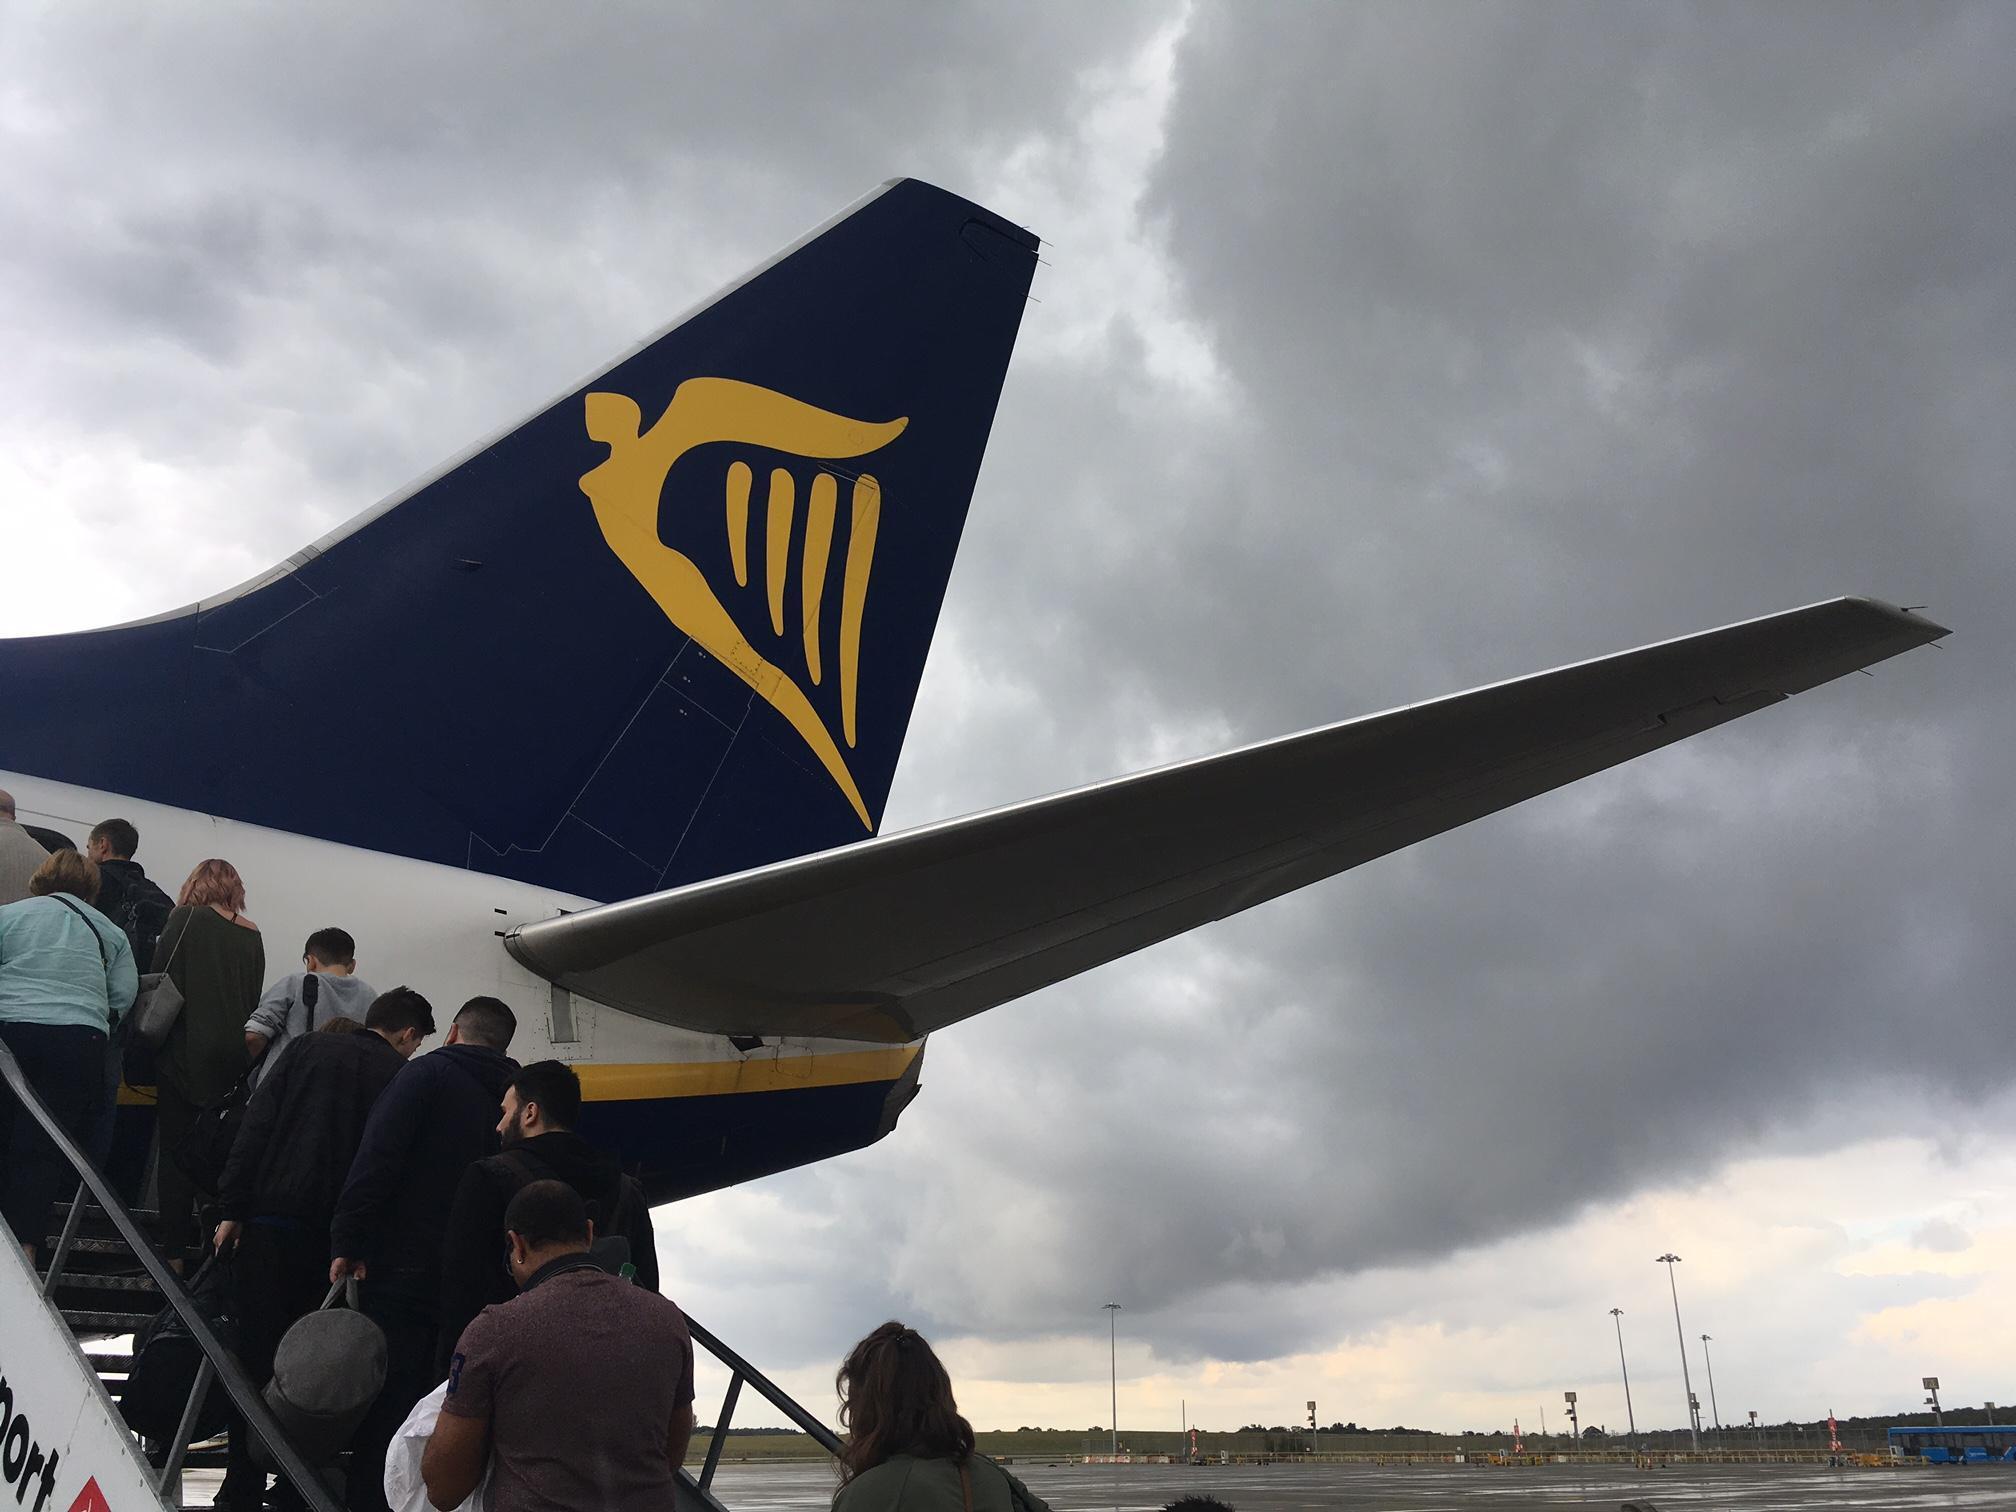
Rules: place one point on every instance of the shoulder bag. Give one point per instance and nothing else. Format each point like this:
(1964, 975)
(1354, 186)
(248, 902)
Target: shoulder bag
(327, 1371)
(159, 1003)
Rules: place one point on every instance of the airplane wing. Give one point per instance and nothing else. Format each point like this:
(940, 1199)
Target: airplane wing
(891, 938)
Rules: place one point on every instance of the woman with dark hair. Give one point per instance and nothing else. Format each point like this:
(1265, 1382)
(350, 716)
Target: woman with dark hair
(66, 978)
(907, 1448)
(214, 954)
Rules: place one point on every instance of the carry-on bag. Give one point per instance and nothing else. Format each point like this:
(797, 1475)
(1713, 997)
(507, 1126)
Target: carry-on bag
(327, 1372)
(166, 1359)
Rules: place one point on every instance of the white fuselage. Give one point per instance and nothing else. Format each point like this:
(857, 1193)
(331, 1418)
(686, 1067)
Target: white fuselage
(431, 927)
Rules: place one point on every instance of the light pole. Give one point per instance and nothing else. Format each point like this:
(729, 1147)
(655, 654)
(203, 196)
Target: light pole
(1713, 1406)
(1932, 1401)
(1617, 1317)
(1112, 1311)
(1686, 1381)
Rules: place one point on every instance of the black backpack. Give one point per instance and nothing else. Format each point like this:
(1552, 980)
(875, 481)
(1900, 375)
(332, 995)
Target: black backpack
(613, 1212)
(166, 1358)
(142, 915)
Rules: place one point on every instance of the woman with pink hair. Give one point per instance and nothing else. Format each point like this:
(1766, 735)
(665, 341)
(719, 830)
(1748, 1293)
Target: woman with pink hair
(215, 955)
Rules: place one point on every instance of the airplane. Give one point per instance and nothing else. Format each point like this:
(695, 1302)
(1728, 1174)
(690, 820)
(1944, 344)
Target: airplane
(600, 718)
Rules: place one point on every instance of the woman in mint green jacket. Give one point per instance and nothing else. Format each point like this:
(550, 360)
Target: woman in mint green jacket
(66, 979)
(908, 1449)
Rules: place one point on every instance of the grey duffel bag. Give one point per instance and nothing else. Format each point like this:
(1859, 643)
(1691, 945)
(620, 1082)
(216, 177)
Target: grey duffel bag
(327, 1372)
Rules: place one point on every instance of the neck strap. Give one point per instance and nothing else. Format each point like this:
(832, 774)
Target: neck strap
(559, 1266)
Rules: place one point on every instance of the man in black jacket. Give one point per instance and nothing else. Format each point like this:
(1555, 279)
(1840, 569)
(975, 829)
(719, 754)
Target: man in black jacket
(301, 1131)
(439, 1114)
(541, 1106)
(128, 897)
(126, 894)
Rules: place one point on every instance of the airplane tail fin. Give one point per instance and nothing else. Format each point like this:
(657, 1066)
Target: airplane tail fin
(670, 627)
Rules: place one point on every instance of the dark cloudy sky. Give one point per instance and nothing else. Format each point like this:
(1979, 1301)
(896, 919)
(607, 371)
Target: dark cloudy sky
(1386, 350)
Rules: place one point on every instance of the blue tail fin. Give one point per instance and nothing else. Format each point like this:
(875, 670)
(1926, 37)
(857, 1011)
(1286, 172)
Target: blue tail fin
(670, 627)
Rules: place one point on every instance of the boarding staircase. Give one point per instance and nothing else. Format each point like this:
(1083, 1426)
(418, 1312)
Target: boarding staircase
(65, 1351)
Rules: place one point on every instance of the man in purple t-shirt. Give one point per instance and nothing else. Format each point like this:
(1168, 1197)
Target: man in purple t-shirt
(578, 1392)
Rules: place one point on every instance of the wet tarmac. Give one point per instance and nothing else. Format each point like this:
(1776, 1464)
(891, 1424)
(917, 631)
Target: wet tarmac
(1437, 1488)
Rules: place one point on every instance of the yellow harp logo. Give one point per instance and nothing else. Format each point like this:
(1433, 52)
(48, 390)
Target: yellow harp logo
(626, 489)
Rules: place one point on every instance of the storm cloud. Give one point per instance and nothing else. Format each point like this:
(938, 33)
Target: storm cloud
(1383, 351)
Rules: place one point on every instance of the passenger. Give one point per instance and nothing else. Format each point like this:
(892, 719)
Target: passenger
(66, 976)
(541, 1106)
(326, 987)
(20, 854)
(439, 1114)
(577, 1393)
(126, 894)
(128, 897)
(907, 1448)
(302, 1128)
(215, 955)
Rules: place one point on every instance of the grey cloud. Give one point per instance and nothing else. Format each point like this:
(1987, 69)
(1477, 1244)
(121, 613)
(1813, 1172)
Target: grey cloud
(1942, 1236)
(1547, 334)
(1542, 333)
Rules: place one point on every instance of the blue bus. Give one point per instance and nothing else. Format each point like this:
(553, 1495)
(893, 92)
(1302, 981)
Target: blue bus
(1955, 1446)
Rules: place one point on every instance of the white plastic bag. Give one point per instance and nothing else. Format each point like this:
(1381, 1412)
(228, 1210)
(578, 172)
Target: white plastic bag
(405, 1491)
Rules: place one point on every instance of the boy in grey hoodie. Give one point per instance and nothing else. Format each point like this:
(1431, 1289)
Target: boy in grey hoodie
(300, 1004)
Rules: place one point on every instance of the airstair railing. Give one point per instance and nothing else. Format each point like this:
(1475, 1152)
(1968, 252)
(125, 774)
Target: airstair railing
(739, 1371)
(219, 1364)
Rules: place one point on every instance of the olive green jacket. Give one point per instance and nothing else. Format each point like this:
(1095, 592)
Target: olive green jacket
(907, 1484)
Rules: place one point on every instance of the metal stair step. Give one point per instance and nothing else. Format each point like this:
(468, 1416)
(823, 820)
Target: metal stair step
(93, 1244)
(104, 1281)
(93, 1321)
(95, 1221)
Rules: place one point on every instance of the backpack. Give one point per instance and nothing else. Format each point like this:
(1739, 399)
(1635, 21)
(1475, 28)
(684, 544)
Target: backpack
(142, 915)
(311, 991)
(166, 1359)
(613, 1213)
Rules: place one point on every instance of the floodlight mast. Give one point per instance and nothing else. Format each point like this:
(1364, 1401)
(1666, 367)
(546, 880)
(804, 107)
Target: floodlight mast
(1112, 1311)
(1617, 1317)
(1713, 1406)
(1680, 1333)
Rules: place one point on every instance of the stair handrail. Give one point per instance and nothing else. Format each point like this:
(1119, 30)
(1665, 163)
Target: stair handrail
(244, 1395)
(739, 1371)
(769, 1390)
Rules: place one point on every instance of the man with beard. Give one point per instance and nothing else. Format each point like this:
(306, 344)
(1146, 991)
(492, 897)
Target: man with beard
(540, 1108)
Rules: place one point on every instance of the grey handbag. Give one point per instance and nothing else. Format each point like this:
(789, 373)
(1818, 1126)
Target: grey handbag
(159, 1001)
(327, 1372)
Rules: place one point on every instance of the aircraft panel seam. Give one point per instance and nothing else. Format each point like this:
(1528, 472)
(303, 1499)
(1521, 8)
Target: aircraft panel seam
(610, 749)
(640, 860)
(705, 793)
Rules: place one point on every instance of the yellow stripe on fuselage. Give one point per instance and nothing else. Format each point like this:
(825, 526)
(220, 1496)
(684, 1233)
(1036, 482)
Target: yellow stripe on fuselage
(630, 1083)
(638, 1082)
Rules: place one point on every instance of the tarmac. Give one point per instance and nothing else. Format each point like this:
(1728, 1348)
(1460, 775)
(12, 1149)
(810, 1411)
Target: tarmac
(1436, 1488)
